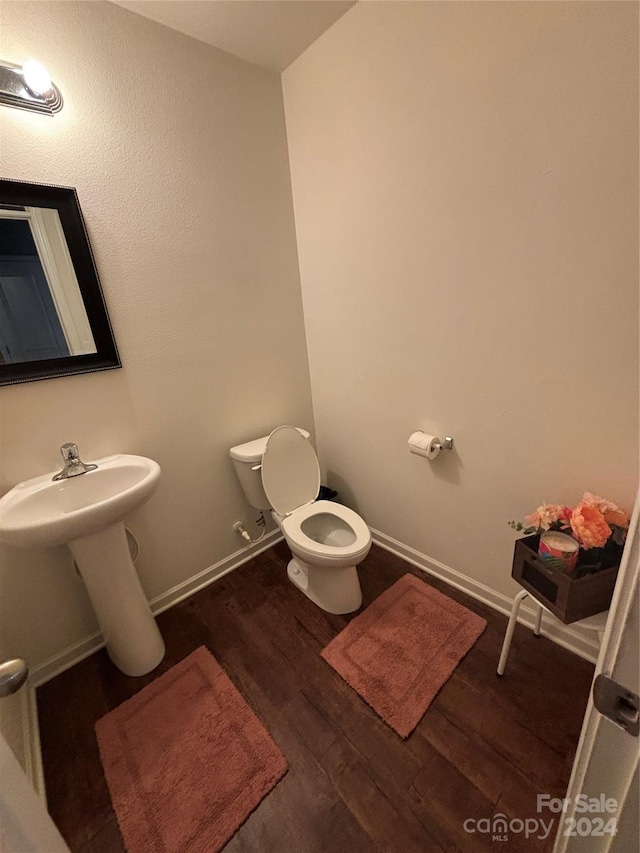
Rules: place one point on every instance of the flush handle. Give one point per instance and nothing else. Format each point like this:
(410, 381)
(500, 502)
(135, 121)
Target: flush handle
(618, 704)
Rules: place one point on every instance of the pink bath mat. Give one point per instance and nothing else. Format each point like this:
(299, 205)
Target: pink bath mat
(402, 649)
(186, 760)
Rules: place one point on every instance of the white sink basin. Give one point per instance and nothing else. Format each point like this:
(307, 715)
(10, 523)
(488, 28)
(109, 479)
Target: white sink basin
(86, 512)
(40, 513)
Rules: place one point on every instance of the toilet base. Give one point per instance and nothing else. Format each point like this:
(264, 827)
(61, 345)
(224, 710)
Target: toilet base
(334, 590)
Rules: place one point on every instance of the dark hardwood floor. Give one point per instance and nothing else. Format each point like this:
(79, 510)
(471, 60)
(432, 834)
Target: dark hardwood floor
(486, 744)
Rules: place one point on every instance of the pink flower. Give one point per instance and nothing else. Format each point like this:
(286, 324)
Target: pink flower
(613, 514)
(589, 526)
(544, 516)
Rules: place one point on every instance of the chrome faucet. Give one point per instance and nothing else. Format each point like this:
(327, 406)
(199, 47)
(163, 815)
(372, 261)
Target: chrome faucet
(73, 465)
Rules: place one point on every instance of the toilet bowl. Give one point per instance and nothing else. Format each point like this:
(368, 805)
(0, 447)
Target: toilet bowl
(327, 540)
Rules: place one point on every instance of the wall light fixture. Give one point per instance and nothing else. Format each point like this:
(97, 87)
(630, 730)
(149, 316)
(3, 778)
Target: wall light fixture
(29, 87)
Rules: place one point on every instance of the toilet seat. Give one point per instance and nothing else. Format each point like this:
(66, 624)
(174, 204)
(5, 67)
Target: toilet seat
(292, 529)
(290, 470)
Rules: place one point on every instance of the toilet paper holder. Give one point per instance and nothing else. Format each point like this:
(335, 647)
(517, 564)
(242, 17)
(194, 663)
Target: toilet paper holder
(447, 444)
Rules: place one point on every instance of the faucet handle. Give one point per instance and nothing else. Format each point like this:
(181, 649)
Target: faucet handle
(73, 465)
(69, 451)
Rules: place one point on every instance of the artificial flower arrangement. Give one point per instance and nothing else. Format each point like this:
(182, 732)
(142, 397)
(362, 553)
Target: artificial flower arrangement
(598, 525)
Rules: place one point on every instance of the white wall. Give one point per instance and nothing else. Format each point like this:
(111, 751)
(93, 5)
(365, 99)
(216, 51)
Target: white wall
(465, 180)
(178, 152)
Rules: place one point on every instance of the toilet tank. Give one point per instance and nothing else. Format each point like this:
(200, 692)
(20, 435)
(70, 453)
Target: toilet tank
(247, 459)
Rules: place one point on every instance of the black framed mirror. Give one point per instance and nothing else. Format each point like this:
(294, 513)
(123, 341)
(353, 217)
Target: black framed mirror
(53, 317)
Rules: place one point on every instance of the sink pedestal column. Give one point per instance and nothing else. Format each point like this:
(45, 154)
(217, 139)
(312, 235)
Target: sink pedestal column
(133, 640)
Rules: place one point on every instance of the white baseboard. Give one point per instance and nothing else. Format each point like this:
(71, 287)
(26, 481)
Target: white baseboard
(31, 741)
(200, 581)
(581, 642)
(81, 650)
(65, 659)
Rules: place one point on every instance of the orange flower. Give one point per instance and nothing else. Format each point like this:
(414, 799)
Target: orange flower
(613, 514)
(589, 526)
(617, 517)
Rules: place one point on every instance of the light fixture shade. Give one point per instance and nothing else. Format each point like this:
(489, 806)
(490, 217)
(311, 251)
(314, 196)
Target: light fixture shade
(28, 88)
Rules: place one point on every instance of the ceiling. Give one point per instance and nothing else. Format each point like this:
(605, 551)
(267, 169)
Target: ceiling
(271, 33)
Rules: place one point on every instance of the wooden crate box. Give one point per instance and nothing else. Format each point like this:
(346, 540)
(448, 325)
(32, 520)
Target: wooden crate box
(566, 597)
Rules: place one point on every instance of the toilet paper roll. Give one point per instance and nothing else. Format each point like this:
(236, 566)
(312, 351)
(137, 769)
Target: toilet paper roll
(423, 444)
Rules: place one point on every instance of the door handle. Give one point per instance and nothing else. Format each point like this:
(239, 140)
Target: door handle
(617, 704)
(13, 674)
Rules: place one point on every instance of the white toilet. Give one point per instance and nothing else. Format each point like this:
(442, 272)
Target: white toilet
(281, 472)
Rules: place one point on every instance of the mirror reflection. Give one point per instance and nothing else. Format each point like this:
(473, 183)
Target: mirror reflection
(42, 314)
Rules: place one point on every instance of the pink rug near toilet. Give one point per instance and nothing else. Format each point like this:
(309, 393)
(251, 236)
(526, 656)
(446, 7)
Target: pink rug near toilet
(399, 652)
(186, 760)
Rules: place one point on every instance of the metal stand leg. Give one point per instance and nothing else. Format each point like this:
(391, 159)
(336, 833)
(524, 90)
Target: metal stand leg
(536, 630)
(517, 601)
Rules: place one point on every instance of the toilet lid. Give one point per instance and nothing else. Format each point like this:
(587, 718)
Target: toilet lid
(290, 470)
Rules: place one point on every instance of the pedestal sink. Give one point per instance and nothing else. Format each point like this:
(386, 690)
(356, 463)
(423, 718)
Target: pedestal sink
(86, 513)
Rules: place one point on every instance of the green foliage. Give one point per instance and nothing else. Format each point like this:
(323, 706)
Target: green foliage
(519, 526)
